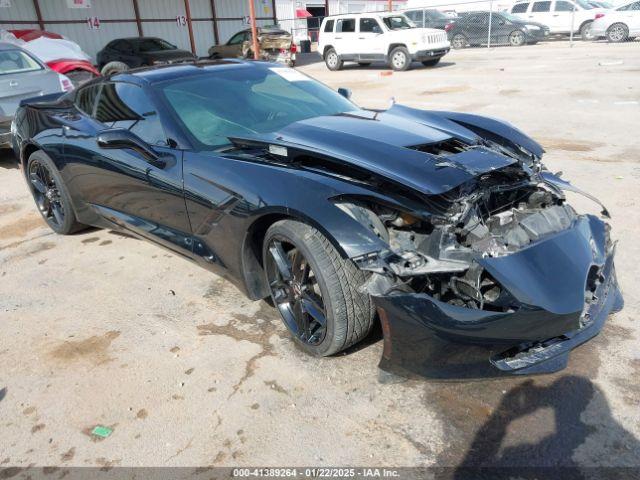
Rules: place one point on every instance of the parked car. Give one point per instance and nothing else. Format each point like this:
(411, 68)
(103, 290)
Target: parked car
(276, 45)
(472, 28)
(124, 53)
(379, 37)
(446, 224)
(23, 76)
(430, 18)
(559, 15)
(618, 25)
(59, 53)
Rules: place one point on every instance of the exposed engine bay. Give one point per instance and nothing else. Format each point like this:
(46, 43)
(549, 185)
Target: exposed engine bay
(499, 213)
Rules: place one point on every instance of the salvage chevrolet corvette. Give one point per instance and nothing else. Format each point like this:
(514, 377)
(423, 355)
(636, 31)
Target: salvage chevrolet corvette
(444, 226)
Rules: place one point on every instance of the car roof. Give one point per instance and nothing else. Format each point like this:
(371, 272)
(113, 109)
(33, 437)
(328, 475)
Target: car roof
(162, 73)
(366, 14)
(135, 39)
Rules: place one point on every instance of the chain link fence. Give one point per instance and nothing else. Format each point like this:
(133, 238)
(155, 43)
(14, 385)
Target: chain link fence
(498, 23)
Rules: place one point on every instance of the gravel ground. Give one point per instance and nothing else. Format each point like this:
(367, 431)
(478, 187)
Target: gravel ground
(102, 329)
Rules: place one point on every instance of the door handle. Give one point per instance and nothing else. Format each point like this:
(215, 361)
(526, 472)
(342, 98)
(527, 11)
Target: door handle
(13, 83)
(556, 14)
(361, 38)
(338, 38)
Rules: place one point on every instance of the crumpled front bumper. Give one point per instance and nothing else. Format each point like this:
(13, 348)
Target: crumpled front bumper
(438, 340)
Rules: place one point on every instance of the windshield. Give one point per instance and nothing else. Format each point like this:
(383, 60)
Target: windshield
(584, 4)
(436, 15)
(397, 22)
(243, 101)
(511, 18)
(154, 44)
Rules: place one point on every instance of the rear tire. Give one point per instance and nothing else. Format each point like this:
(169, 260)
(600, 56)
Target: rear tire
(333, 60)
(112, 68)
(617, 33)
(431, 63)
(399, 59)
(323, 282)
(50, 194)
(517, 38)
(585, 32)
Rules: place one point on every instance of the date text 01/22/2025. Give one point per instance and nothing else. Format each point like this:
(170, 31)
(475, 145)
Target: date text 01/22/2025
(312, 472)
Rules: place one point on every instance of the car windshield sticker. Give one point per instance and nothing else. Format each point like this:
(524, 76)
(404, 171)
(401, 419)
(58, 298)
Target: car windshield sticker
(290, 74)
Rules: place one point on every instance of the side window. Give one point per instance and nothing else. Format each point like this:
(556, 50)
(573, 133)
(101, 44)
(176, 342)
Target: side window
(369, 25)
(86, 98)
(541, 7)
(346, 25)
(123, 105)
(520, 8)
(562, 6)
(237, 38)
(328, 27)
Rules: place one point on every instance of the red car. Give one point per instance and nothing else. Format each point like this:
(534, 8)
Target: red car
(77, 69)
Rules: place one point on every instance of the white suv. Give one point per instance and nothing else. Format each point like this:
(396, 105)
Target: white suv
(371, 37)
(559, 15)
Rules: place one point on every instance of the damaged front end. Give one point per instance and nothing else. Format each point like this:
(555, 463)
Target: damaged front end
(500, 276)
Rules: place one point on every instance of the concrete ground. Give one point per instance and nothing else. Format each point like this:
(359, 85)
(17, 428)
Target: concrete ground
(101, 329)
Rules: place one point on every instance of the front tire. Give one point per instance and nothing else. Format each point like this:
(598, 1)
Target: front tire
(114, 67)
(333, 60)
(618, 32)
(399, 59)
(50, 194)
(315, 289)
(459, 41)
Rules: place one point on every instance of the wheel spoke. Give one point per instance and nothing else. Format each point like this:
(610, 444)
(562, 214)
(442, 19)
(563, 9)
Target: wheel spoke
(57, 212)
(281, 259)
(37, 183)
(301, 319)
(311, 307)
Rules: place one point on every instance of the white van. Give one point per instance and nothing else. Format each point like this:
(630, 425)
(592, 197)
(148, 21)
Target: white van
(379, 37)
(557, 15)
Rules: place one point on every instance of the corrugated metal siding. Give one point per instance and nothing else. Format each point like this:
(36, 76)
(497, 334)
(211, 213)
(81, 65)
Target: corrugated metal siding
(19, 26)
(170, 31)
(203, 36)
(92, 41)
(104, 10)
(21, 10)
(240, 8)
(160, 9)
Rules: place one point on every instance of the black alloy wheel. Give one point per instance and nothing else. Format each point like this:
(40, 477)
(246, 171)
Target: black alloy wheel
(50, 194)
(46, 194)
(295, 292)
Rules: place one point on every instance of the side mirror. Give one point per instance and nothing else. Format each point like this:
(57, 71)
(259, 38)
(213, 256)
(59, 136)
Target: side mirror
(123, 138)
(345, 92)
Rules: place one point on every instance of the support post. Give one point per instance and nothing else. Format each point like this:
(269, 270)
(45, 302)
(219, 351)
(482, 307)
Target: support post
(273, 9)
(326, 8)
(490, 21)
(36, 6)
(192, 41)
(215, 22)
(390, 6)
(254, 30)
(136, 12)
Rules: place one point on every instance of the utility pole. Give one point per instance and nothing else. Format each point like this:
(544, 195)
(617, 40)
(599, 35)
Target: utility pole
(391, 5)
(254, 30)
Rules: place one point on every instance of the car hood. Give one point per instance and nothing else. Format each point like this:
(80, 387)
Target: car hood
(394, 144)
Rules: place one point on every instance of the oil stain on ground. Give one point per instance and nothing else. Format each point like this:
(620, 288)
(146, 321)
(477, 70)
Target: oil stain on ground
(21, 227)
(93, 349)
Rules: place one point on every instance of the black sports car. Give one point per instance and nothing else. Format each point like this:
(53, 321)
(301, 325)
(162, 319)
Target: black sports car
(123, 53)
(444, 225)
